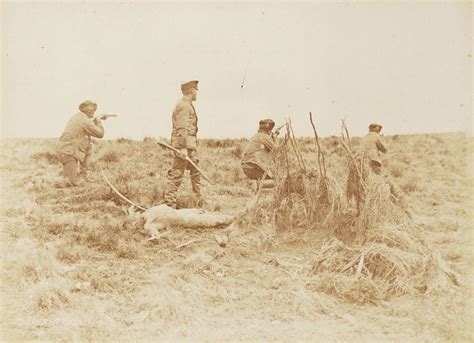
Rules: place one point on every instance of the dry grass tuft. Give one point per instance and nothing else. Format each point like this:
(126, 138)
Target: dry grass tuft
(48, 156)
(48, 295)
(31, 261)
(109, 156)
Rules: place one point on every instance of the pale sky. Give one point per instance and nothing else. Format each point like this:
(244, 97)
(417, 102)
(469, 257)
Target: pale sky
(405, 65)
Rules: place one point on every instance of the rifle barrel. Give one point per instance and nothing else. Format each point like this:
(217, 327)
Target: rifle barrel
(279, 127)
(187, 159)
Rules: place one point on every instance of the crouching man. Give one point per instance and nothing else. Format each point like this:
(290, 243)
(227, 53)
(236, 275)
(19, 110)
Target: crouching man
(257, 155)
(75, 141)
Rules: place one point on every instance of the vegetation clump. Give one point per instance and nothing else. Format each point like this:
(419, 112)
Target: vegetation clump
(373, 251)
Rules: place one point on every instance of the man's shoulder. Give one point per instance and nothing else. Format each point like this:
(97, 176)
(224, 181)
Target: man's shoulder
(372, 136)
(183, 103)
(78, 118)
(261, 135)
(183, 106)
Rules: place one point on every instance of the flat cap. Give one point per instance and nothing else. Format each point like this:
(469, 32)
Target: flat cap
(189, 84)
(87, 103)
(374, 125)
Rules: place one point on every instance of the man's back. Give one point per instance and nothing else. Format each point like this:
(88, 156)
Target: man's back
(371, 146)
(76, 134)
(258, 150)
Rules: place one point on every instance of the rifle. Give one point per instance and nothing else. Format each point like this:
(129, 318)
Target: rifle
(178, 153)
(280, 127)
(104, 116)
(276, 132)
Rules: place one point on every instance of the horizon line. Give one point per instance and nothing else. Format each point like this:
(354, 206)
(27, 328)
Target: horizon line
(466, 133)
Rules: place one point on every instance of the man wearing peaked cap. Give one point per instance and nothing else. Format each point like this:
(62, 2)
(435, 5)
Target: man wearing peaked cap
(256, 157)
(188, 85)
(184, 137)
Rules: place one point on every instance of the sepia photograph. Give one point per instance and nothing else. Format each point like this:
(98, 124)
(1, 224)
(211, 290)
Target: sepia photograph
(236, 171)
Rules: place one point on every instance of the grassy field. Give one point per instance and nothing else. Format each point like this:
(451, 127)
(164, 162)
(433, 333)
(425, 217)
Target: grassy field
(77, 265)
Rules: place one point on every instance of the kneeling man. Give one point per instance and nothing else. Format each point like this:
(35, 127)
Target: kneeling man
(257, 154)
(75, 141)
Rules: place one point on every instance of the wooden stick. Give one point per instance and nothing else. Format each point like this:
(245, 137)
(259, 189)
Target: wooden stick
(360, 265)
(344, 129)
(347, 147)
(118, 193)
(299, 156)
(188, 243)
(321, 157)
(293, 144)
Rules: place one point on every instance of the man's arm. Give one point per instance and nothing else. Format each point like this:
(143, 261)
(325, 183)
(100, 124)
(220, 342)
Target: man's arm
(181, 122)
(93, 128)
(381, 146)
(269, 143)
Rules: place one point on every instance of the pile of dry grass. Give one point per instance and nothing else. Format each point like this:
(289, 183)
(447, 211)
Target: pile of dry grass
(375, 252)
(303, 197)
(381, 253)
(305, 200)
(386, 257)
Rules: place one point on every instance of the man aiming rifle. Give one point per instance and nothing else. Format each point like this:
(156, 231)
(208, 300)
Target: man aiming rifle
(75, 142)
(256, 157)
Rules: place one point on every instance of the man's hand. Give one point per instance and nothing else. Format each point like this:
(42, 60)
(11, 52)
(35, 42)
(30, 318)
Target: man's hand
(104, 117)
(184, 152)
(98, 119)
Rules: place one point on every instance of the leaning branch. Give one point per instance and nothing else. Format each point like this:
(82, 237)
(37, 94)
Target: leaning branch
(345, 137)
(321, 158)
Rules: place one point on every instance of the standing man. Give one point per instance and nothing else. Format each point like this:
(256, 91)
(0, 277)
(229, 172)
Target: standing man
(371, 146)
(256, 157)
(369, 153)
(184, 138)
(75, 142)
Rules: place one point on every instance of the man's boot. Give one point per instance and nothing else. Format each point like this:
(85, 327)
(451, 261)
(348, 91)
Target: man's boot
(85, 175)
